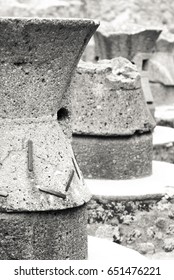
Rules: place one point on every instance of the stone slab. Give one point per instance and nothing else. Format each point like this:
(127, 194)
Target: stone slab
(164, 115)
(114, 157)
(108, 99)
(102, 249)
(163, 144)
(56, 235)
(155, 186)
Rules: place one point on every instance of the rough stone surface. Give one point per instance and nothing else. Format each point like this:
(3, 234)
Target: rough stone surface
(142, 233)
(126, 40)
(108, 100)
(146, 248)
(52, 164)
(161, 63)
(168, 245)
(56, 235)
(38, 58)
(37, 61)
(114, 157)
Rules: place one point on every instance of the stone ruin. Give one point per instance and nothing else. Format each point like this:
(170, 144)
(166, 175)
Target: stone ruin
(112, 127)
(161, 70)
(42, 192)
(131, 41)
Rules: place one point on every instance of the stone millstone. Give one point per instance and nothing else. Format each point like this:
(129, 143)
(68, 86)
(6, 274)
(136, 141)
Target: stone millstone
(108, 99)
(42, 191)
(112, 127)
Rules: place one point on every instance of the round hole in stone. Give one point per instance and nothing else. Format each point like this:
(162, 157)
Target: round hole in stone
(62, 114)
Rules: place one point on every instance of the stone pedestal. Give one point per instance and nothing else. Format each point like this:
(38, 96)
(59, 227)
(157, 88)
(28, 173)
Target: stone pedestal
(112, 128)
(42, 192)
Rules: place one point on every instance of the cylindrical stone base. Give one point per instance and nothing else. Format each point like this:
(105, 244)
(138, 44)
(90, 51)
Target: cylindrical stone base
(54, 235)
(116, 158)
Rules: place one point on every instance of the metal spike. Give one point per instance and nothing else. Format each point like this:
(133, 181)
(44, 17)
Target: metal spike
(75, 166)
(70, 177)
(52, 192)
(30, 156)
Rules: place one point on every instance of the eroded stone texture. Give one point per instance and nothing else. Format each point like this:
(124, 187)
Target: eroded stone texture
(108, 100)
(56, 235)
(114, 158)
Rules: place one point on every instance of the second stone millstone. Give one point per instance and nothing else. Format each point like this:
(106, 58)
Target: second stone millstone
(112, 126)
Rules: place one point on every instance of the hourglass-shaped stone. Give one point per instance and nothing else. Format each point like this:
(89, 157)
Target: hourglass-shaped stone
(42, 192)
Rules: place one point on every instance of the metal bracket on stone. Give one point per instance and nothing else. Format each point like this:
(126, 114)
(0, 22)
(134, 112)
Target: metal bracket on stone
(30, 156)
(52, 192)
(70, 177)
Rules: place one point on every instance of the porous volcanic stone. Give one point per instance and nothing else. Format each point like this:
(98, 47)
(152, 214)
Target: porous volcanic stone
(37, 167)
(52, 164)
(108, 100)
(53, 235)
(37, 59)
(114, 157)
